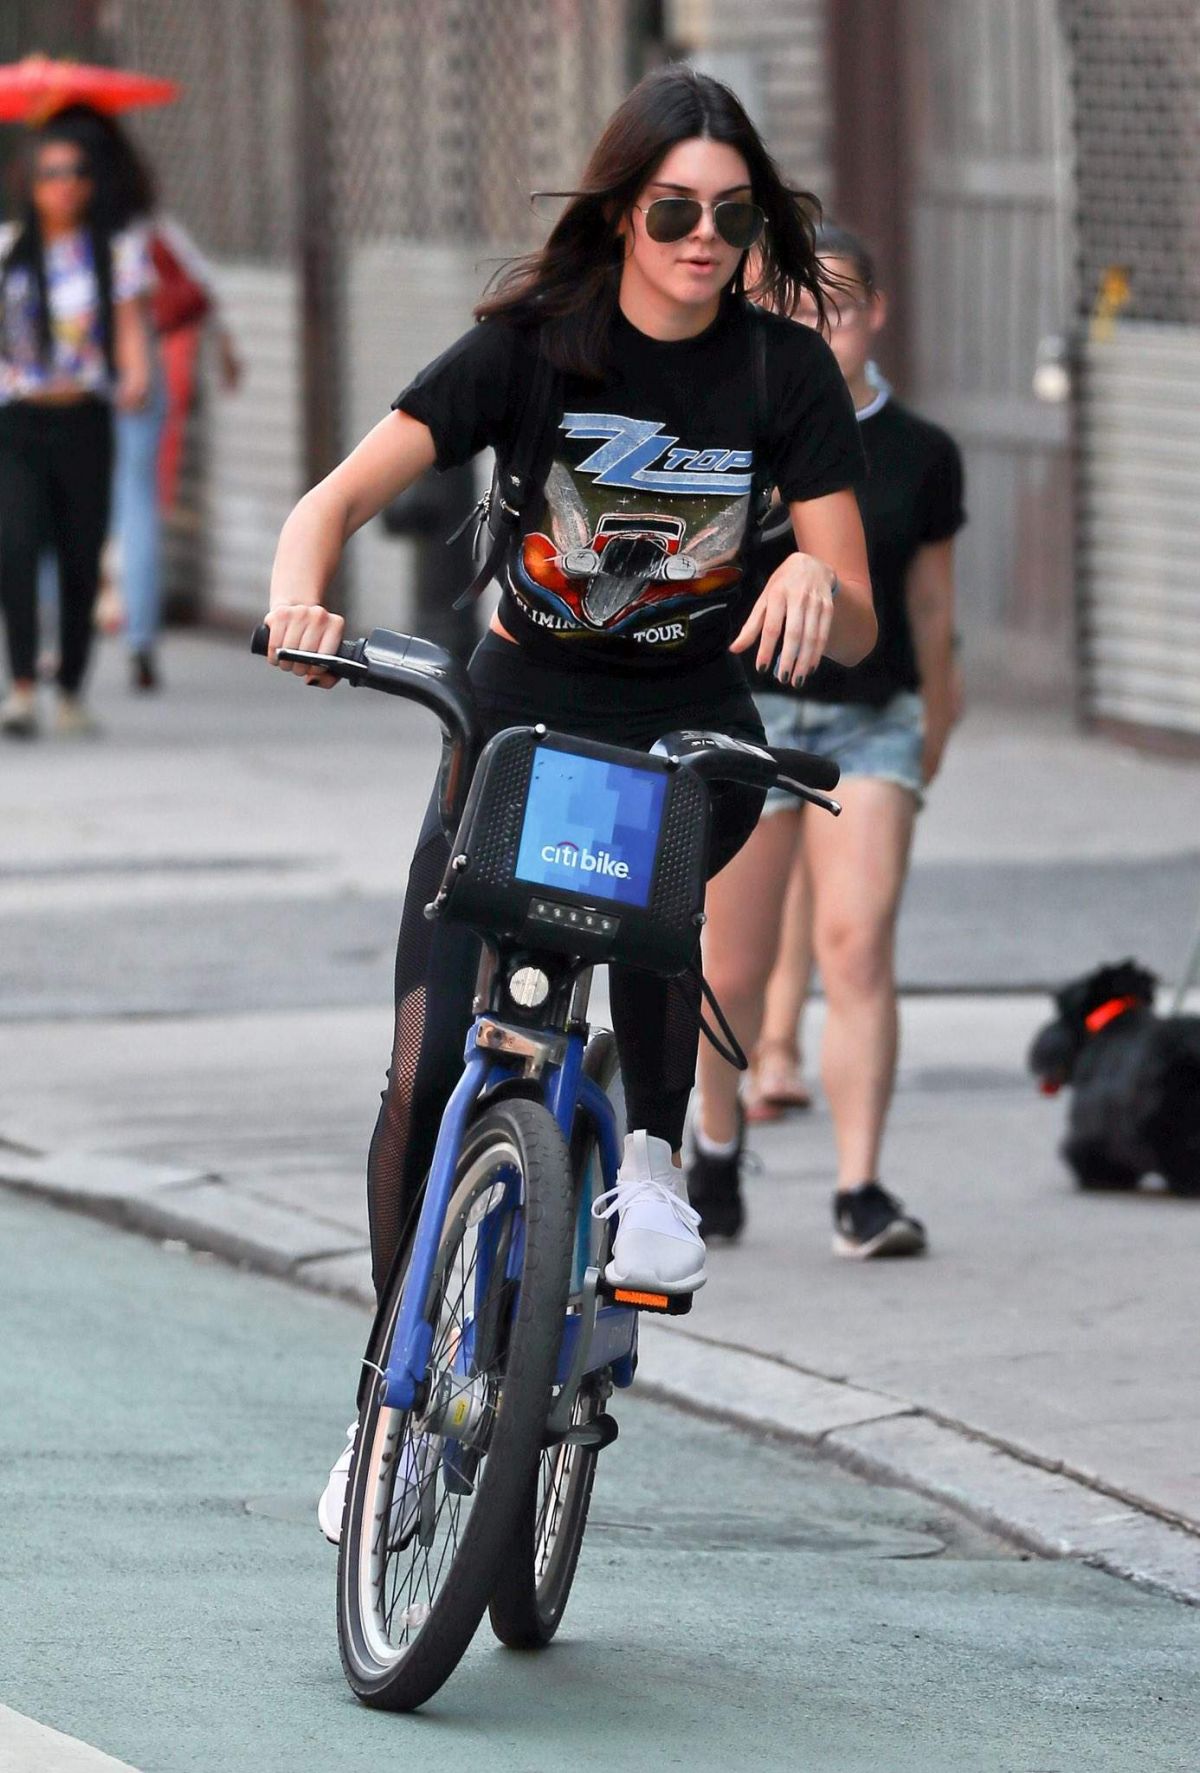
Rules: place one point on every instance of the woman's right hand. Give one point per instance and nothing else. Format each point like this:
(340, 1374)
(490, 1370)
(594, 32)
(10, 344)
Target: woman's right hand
(305, 627)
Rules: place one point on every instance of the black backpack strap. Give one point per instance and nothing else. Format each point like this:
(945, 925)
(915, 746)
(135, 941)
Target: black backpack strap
(517, 478)
(760, 485)
(761, 408)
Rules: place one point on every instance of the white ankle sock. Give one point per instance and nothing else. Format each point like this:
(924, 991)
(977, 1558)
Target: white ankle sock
(714, 1147)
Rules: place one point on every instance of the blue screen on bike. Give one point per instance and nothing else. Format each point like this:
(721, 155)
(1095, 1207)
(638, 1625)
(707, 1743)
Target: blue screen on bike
(591, 827)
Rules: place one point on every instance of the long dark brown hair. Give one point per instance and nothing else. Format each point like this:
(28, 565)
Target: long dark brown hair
(569, 288)
(86, 135)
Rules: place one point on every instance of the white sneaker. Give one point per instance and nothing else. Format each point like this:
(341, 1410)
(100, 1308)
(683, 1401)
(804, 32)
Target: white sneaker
(658, 1248)
(418, 1462)
(333, 1497)
(18, 714)
(73, 720)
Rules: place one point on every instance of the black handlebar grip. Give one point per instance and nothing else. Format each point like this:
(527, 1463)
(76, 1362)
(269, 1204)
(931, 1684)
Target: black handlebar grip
(260, 640)
(806, 767)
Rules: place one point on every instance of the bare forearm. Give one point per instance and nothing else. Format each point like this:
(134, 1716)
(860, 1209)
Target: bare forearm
(933, 646)
(131, 351)
(929, 600)
(309, 549)
(310, 546)
(854, 629)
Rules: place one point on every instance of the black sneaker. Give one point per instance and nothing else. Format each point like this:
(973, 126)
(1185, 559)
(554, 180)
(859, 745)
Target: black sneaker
(871, 1222)
(715, 1189)
(143, 670)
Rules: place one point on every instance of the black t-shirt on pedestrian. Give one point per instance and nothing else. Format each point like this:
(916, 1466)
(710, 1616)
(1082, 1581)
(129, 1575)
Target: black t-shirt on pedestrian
(632, 559)
(913, 495)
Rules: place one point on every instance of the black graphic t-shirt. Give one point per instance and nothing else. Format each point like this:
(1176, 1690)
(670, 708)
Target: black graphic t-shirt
(913, 495)
(633, 557)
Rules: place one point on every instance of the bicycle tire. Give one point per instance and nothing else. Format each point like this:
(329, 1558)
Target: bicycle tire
(515, 1144)
(538, 1570)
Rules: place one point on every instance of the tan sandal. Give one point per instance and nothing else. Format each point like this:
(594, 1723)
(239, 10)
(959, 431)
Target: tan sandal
(775, 1083)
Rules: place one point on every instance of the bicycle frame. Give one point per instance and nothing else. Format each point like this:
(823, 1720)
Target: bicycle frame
(596, 1336)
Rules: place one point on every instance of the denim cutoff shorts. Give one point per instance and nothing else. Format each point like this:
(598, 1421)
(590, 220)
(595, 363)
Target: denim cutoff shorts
(884, 743)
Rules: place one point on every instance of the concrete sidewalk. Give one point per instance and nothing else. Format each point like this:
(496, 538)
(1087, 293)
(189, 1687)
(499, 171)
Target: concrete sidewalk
(195, 924)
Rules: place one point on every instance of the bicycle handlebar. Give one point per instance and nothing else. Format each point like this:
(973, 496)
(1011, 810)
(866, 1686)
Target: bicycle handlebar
(405, 665)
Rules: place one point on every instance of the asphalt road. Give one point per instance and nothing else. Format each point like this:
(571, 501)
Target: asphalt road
(983, 927)
(187, 860)
(165, 1423)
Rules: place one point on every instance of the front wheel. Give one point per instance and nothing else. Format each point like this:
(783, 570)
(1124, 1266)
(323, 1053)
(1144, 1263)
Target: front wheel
(434, 1493)
(538, 1568)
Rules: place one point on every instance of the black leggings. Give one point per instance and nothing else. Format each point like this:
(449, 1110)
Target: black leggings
(655, 1019)
(55, 474)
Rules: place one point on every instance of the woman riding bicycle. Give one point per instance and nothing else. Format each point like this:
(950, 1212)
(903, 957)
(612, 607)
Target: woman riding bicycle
(624, 599)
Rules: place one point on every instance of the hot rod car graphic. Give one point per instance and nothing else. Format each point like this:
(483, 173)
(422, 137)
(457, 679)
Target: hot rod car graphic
(631, 562)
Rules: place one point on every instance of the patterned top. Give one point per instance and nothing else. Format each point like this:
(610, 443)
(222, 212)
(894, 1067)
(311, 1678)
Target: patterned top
(77, 357)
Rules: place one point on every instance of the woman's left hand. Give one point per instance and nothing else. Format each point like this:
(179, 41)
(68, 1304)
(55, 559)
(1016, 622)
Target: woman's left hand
(791, 618)
(133, 391)
(938, 723)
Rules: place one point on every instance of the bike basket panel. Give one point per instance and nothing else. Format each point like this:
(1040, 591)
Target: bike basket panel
(579, 848)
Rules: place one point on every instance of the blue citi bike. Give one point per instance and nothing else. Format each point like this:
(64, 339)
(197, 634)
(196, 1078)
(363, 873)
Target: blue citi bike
(497, 1344)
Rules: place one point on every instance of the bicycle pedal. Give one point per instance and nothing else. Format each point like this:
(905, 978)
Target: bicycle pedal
(668, 1304)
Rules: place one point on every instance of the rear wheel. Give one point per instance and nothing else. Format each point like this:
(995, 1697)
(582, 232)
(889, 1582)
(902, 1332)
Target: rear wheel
(434, 1493)
(536, 1574)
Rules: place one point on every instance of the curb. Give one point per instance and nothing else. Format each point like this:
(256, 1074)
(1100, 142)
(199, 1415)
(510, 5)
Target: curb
(1053, 1512)
(1047, 1510)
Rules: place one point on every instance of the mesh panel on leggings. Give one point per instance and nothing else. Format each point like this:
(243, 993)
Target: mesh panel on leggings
(391, 1190)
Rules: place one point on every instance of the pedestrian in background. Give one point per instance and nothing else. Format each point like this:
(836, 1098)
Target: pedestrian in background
(885, 722)
(149, 438)
(73, 342)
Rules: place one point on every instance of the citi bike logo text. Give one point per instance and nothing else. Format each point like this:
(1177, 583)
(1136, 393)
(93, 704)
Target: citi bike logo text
(569, 855)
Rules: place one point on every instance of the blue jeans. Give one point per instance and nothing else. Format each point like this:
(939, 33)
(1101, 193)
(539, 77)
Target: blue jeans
(136, 517)
(883, 743)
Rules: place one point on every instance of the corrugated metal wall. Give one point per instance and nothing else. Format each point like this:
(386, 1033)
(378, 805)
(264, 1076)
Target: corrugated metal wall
(1136, 73)
(1139, 518)
(989, 279)
(253, 441)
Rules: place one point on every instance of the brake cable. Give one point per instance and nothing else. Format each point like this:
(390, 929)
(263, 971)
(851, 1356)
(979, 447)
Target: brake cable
(733, 1053)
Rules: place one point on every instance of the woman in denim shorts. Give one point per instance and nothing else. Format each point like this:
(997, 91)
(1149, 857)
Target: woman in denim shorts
(885, 722)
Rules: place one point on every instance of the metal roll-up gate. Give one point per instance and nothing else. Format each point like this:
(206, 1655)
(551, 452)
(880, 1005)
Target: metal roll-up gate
(1139, 527)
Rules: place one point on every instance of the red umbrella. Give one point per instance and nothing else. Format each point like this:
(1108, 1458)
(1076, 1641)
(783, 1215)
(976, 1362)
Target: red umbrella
(34, 89)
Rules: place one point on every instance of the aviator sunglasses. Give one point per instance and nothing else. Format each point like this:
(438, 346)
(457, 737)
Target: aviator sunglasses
(55, 172)
(738, 222)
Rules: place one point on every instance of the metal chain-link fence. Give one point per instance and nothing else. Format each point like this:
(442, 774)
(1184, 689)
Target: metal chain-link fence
(445, 118)
(1135, 76)
(225, 156)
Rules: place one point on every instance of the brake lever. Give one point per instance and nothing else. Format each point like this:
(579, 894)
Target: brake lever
(352, 670)
(811, 795)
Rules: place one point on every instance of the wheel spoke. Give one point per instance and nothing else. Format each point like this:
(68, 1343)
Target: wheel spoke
(406, 1579)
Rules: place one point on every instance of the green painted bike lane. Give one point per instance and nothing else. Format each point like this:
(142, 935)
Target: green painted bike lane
(166, 1422)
